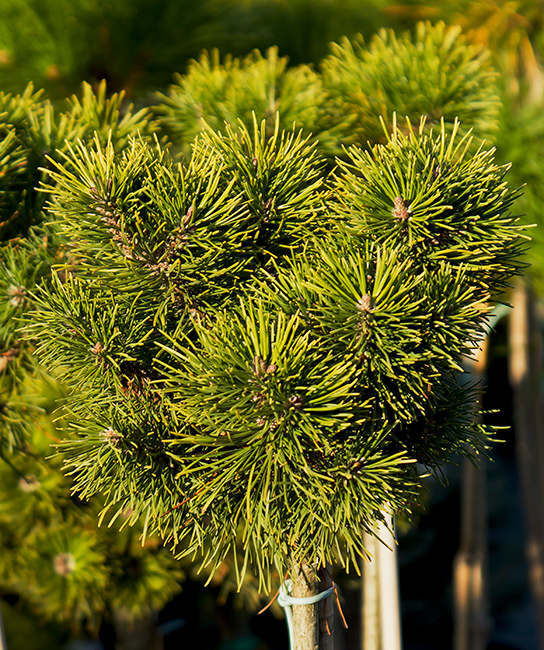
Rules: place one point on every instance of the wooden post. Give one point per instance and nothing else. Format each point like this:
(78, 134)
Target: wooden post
(471, 609)
(3, 644)
(370, 604)
(380, 616)
(525, 368)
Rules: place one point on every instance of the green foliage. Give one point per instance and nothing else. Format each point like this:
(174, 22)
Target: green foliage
(221, 94)
(53, 555)
(434, 73)
(433, 196)
(266, 386)
(137, 45)
(261, 353)
(187, 234)
(522, 142)
(56, 558)
(32, 134)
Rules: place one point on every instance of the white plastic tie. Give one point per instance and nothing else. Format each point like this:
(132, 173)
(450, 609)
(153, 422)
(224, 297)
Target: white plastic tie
(286, 601)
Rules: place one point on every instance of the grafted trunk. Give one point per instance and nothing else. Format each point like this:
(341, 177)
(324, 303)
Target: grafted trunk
(306, 582)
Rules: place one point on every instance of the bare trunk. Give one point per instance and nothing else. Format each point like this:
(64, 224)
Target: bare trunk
(525, 376)
(380, 615)
(306, 582)
(471, 608)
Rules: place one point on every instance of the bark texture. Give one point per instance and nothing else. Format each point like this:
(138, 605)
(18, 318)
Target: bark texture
(306, 582)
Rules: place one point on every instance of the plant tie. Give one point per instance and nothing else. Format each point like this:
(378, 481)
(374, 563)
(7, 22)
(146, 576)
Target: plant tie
(286, 601)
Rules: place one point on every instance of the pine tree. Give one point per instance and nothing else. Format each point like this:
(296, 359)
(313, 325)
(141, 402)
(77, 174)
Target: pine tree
(249, 382)
(260, 351)
(53, 555)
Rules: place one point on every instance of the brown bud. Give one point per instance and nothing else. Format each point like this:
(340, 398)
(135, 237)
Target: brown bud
(402, 209)
(17, 295)
(259, 366)
(295, 402)
(64, 564)
(97, 348)
(188, 216)
(366, 303)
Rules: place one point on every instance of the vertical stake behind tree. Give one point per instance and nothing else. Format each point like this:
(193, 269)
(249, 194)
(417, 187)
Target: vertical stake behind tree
(525, 379)
(380, 612)
(471, 609)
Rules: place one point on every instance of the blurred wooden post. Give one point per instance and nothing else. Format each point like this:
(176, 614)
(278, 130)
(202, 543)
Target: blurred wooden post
(525, 376)
(3, 644)
(369, 618)
(471, 609)
(380, 612)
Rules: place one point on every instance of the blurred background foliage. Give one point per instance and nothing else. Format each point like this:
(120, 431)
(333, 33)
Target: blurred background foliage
(139, 46)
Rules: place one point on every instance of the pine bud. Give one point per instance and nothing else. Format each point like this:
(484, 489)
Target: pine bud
(261, 368)
(295, 402)
(266, 209)
(97, 348)
(402, 209)
(366, 303)
(111, 436)
(64, 564)
(17, 295)
(28, 484)
(187, 218)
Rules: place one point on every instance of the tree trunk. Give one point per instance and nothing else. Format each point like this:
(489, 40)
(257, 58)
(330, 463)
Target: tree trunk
(525, 375)
(380, 615)
(306, 582)
(471, 609)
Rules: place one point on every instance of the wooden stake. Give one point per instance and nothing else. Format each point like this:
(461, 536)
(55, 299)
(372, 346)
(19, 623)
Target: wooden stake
(525, 374)
(381, 626)
(471, 609)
